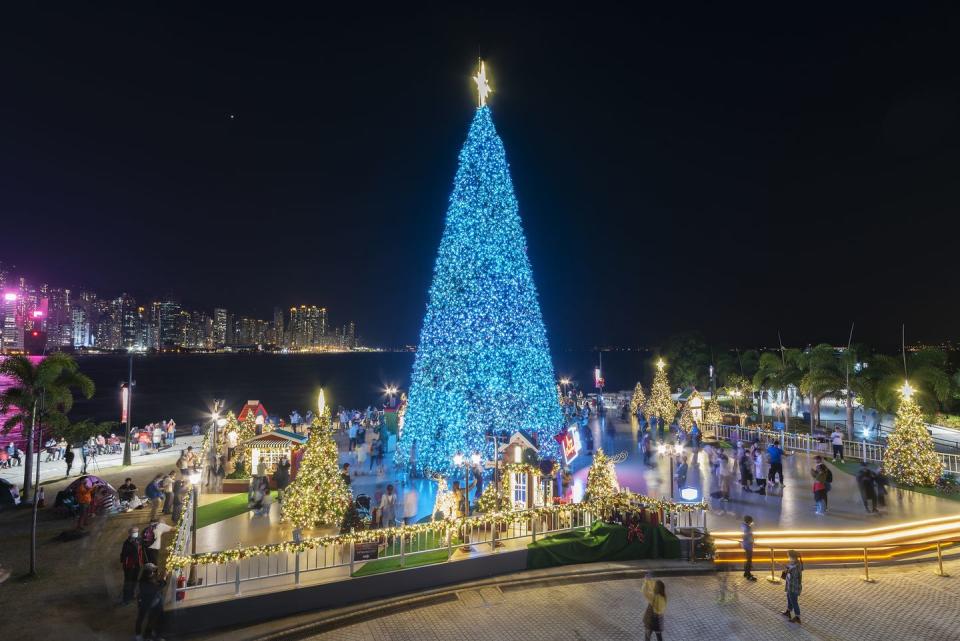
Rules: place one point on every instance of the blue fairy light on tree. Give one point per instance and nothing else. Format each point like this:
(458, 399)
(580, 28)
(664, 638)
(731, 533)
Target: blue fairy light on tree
(483, 362)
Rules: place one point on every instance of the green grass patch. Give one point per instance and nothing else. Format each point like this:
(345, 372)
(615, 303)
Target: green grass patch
(409, 561)
(852, 466)
(224, 509)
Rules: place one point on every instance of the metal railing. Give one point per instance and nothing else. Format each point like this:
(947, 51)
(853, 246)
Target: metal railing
(865, 450)
(287, 565)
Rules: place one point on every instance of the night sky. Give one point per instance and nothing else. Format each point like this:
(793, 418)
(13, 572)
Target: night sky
(736, 173)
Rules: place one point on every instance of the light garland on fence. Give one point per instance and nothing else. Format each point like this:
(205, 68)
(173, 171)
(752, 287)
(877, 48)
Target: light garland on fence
(622, 501)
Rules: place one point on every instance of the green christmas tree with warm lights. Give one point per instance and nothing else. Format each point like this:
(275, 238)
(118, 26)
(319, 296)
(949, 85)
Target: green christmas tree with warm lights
(318, 495)
(910, 457)
(601, 479)
(638, 399)
(660, 404)
(712, 414)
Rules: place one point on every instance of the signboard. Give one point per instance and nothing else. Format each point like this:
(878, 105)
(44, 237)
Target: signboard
(689, 494)
(597, 378)
(777, 425)
(365, 551)
(570, 443)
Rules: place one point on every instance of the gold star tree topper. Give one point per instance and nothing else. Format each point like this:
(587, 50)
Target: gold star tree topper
(483, 87)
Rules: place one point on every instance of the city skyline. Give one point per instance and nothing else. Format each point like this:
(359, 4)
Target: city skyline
(42, 318)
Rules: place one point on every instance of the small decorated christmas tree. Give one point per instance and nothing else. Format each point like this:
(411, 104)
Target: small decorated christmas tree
(318, 496)
(660, 403)
(712, 414)
(910, 458)
(638, 400)
(601, 479)
(686, 418)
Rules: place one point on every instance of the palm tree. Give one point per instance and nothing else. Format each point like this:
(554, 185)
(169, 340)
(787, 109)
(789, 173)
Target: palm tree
(776, 371)
(879, 380)
(824, 374)
(40, 394)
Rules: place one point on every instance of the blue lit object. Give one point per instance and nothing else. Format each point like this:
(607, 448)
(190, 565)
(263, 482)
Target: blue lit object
(689, 494)
(483, 362)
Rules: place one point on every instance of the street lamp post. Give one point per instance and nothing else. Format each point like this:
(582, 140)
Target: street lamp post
(194, 477)
(670, 450)
(127, 408)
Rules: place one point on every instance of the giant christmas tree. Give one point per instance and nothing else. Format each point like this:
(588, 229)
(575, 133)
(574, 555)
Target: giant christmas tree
(910, 457)
(660, 404)
(483, 362)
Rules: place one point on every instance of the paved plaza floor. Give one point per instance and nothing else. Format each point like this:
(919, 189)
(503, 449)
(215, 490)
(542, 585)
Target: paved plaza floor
(789, 507)
(906, 602)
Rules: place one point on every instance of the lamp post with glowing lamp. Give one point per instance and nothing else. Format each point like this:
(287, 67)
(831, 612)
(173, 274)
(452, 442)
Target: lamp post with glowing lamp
(194, 478)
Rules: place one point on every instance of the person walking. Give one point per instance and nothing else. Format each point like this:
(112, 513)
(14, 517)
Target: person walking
(179, 486)
(410, 502)
(793, 584)
(836, 439)
(866, 482)
(882, 482)
(84, 496)
(656, 595)
(149, 604)
(726, 475)
(132, 559)
(68, 458)
(821, 476)
(746, 542)
(154, 495)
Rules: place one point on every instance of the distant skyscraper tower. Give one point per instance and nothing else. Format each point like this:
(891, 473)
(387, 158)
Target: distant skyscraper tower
(220, 327)
(168, 324)
(12, 336)
(278, 326)
(81, 327)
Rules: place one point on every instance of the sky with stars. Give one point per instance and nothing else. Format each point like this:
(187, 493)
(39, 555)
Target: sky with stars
(733, 171)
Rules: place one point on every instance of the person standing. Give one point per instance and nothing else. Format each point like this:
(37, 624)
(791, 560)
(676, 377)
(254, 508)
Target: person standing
(836, 438)
(132, 559)
(882, 482)
(166, 485)
(388, 508)
(68, 458)
(775, 458)
(84, 455)
(231, 443)
(282, 477)
(726, 475)
(681, 473)
(84, 496)
(793, 584)
(149, 604)
(656, 595)
(151, 539)
(746, 542)
(157, 437)
(178, 488)
(866, 482)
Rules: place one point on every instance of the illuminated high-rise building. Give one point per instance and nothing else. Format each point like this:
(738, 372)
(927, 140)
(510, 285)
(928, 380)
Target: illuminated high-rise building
(220, 317)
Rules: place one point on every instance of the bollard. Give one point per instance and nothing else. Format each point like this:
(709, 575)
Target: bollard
(773, 565)
(939, 571)
(866, 568)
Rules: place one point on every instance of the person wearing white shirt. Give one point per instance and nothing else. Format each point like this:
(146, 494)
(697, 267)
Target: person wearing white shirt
(410, 502)
(153, 549)
(231, 443)
(837, 439)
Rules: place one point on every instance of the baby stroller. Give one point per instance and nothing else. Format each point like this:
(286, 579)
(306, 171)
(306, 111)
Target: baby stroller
(363, 506)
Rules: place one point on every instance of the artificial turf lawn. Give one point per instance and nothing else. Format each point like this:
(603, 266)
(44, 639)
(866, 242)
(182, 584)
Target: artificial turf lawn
(409, 561)
(224, 509)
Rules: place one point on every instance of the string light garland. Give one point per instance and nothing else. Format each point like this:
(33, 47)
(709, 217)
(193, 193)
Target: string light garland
(910, 457)
(483, 361)
(318, 495)
(601, 508)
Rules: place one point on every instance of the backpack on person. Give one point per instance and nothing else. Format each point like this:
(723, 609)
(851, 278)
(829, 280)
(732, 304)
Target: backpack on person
(149, 536)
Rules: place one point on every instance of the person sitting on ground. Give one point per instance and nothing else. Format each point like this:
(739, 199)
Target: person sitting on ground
(127, 491)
